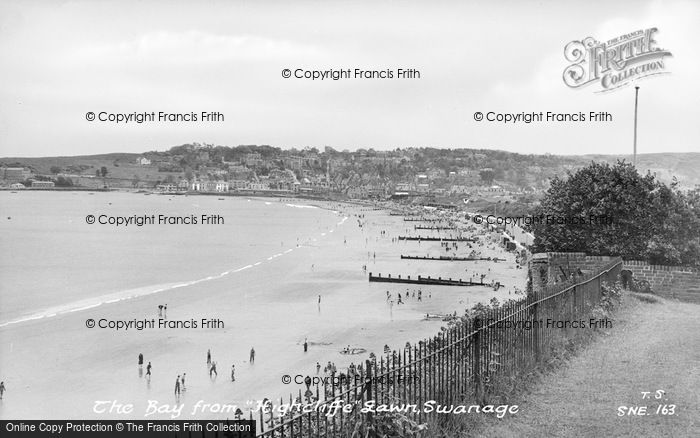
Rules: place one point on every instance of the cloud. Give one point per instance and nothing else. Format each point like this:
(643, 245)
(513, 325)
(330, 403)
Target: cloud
(195, 47)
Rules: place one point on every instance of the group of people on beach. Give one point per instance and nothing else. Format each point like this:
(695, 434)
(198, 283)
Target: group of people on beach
(180, 380)
(212, 364)
(407, 295)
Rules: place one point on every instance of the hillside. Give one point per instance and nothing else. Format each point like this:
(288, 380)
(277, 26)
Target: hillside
(359, 168)
(42, 165)
(666, 165)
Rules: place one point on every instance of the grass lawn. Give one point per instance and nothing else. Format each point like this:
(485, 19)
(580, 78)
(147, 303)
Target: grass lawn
(652, 346)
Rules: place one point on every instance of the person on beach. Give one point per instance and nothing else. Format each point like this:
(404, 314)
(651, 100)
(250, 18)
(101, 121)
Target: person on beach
(209, 357)
(233, 373)
(318, 367)
(212, 370)
(177, 386)
(2, 389)
(182, 382)
(148, 371)
(165, 311)
(140, 359)
(160, 310)
(306, 346)
(252, 356)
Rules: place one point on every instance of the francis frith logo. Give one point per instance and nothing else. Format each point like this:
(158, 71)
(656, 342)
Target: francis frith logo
(616, 62)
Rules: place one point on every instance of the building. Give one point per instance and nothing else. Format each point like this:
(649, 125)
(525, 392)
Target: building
(210, 186)
(258, 186)
(461, 189)
(166, 187)
(253, 159)
(238, 184)
(294, 163)
(143, 161)
(183, 185)
(17, 186)
(43, 184)
(16, 174)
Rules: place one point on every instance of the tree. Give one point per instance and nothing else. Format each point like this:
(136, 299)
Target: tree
(103, 171)
(613, 210)
(64, 182)
(55, 170)
(487, 175)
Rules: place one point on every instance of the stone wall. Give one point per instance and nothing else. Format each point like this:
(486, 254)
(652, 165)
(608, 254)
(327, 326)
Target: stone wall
(554, 267)
(677, 282)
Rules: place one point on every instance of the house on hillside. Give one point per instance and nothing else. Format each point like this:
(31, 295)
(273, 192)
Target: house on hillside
(15, 173)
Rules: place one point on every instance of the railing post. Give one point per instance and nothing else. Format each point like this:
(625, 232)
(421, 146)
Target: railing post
(536, 331)
(368, 383)
(476, 371)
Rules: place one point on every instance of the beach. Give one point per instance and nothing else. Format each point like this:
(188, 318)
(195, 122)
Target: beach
(263, 284)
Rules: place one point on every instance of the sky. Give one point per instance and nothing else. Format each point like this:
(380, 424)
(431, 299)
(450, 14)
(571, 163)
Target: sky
(63, 59)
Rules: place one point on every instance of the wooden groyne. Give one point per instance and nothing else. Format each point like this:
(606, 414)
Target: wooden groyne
(422, 280)
(438, 239)
(453, 259)
(423, 227)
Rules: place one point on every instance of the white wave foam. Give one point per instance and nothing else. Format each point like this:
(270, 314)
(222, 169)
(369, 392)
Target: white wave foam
(112, 298)
(301, 206)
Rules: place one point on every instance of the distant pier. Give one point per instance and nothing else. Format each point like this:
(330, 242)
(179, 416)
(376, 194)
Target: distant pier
(409, 219)
(422, 280)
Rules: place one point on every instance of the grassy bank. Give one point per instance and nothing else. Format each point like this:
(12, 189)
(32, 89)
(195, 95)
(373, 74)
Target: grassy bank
(654, 345)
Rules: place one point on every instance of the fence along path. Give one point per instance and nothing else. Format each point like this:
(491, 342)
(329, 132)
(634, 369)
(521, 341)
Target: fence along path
(458, 366)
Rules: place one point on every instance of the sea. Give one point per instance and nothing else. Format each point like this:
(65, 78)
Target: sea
(53, 261)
